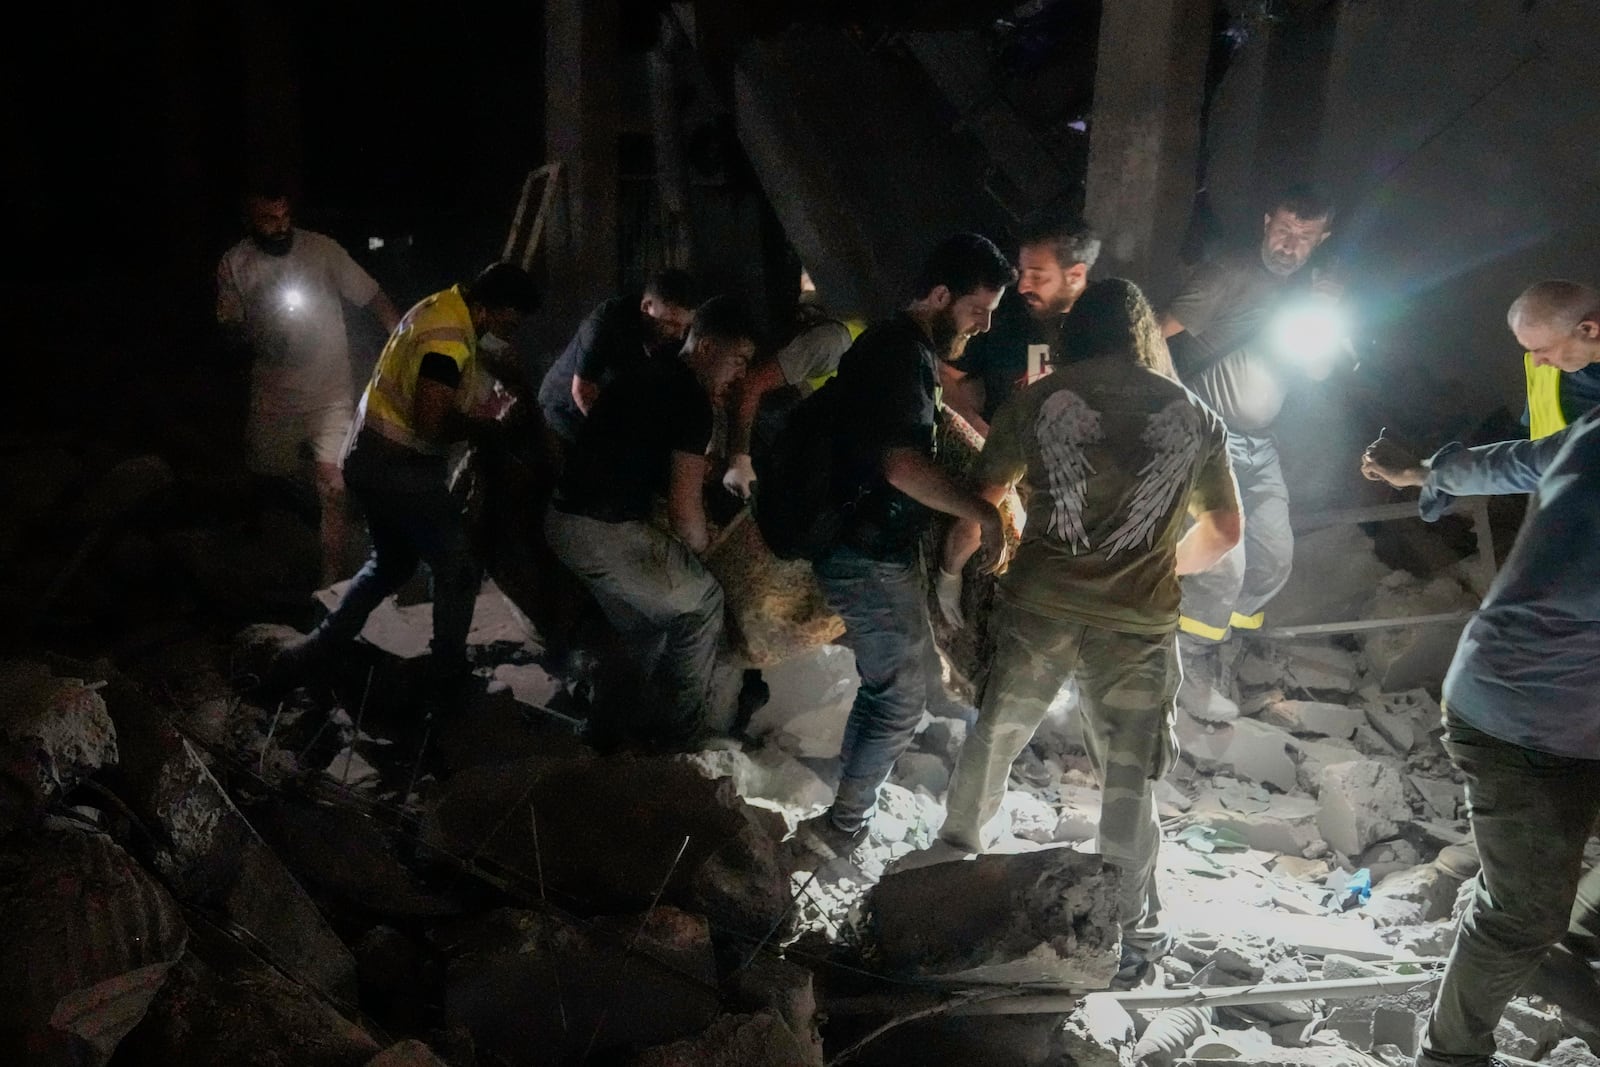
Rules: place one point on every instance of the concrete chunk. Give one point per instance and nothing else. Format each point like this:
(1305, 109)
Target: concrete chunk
(1420, 895)
(54, 733)
(1288, 824)
(1313, 718)
(1045, 916)
(1362, 803)
(1312, 757)
(1247, 748)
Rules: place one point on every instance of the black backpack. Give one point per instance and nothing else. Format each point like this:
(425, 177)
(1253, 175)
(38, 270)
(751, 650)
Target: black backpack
(798, 499)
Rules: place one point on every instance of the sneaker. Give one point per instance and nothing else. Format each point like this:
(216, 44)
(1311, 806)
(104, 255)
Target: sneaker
(1203, 693)
(820, 840)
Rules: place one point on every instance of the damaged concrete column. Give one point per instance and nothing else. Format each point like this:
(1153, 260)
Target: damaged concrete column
(582, 113)
(1144, 134)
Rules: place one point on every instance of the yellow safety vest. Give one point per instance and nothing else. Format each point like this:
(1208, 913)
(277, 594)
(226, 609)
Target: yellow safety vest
(1545, 416)
(856, 328)
(441, 323)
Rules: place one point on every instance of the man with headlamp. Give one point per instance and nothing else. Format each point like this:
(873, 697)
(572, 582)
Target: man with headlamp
(1244, 330)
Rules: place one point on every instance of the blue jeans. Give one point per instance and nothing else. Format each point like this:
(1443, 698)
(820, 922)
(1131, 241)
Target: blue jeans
(884, 608)
(412, 519)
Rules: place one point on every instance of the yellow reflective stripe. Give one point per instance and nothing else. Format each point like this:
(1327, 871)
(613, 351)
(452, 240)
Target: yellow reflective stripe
(1545, 416)
(817, 382)
(1200, 629)
(1247, 622)
(857, 327)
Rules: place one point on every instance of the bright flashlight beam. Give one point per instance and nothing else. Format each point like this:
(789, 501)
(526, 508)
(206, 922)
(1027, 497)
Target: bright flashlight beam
(1311, 332)
(293, 299)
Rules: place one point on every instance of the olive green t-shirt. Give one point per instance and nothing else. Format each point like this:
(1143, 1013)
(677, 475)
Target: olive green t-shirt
(1110, 458)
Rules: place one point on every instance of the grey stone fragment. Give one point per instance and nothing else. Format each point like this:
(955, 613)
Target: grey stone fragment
(1572, 1053)
(54, 733)
(1313, 718)
(1526, 1031)
(1044, 916)
(1420, 895)
(1362, 803)
(786, 990)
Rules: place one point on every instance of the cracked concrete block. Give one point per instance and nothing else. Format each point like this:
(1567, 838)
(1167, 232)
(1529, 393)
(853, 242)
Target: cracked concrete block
(1526, 1031)
(1288, 824)
(922, 770)
(1392, 1018)
(54, 733)
(1247, 748)
(90, 938)
(1311, 758)
(1418, 895)
(1032, 819)
(526, 981)
(1322, 669)
(1362, 803)
(1045, 916)
(1080, 813)
(1313, 718)
(1394, 726)
(1445, 797)
(758, 1040)
(1278, 1013)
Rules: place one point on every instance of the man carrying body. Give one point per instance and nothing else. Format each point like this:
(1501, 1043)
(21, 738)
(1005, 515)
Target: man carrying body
(1054, 258)
(428, 390)
(646, 437)
(765, 396)
(280, 293)
(1112, 454)
(1522, 696)
(888, 410)
(620, 334)
(1219, 334)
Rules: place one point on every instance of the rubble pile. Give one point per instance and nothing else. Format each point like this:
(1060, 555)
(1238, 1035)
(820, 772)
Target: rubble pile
(201, 873)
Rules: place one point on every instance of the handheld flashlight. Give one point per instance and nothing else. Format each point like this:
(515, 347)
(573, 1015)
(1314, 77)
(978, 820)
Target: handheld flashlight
(1310, 333)
(293, 298)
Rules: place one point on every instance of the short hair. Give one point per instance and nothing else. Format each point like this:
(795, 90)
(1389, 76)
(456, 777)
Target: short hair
(503, 285)
(1113, 318)
(724, 318)
(1557, 304)
(1069, 238)
(964, 264)
(671, 286)
(1305, 201)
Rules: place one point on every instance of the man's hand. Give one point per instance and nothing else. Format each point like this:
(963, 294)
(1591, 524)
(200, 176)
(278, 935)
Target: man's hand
(993, 545)
(1385, 461)
(947, 587)
(740, 476)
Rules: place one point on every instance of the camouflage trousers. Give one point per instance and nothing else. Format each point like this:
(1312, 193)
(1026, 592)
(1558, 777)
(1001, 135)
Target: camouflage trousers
(1126, 685)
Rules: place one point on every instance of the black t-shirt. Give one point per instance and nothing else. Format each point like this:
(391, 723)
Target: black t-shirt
(621, 462)
(999, 357)
(889, 397)
(609, 343)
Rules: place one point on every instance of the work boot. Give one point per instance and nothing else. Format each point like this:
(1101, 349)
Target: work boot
(1031, 771)
(1203, 693)
(819, 840)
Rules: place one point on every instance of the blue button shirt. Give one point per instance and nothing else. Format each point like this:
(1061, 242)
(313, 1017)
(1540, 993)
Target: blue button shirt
(1527, 669)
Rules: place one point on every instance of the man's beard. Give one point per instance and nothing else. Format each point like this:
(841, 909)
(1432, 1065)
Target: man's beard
(274, 246)
(948, 342)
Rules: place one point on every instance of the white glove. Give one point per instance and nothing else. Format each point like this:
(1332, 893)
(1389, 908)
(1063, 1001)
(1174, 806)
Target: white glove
(741, 476)
(948, 589)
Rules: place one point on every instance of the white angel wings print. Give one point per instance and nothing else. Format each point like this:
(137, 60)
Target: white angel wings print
(1066, 424)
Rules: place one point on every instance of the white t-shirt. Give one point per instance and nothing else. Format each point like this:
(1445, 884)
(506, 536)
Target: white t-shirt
(291, 310)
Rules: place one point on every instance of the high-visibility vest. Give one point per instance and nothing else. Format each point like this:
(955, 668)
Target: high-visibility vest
(441, 323)
(1545, 416)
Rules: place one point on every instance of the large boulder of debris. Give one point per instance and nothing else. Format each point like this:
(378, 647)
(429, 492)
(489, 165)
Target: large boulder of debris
(90, 938)
(54, 733)
(1045, 916)
(536, 987)
(615, 831)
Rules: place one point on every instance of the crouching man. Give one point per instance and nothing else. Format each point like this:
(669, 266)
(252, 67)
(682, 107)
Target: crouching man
(646, 437)
(1111, 454)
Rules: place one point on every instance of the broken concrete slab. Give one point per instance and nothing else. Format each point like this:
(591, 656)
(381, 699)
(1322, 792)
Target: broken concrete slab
(769, 777)
(1321, 670)
(1527, 1031)
(536, 987)
(1389, 1018)
(1410, 657)
(1361, 803)
(1079, 808)
(810, 701)
(758, 1040)
(90, 939)
(1288, 824)
(1313, 718)
(1445, 799)
(1247, 748)
(54, 733)
(209, 853)
(1572, 1052)
(924, 771)
(1045, 916)
(609, 832)
(1388, 858)
(1395, 727)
